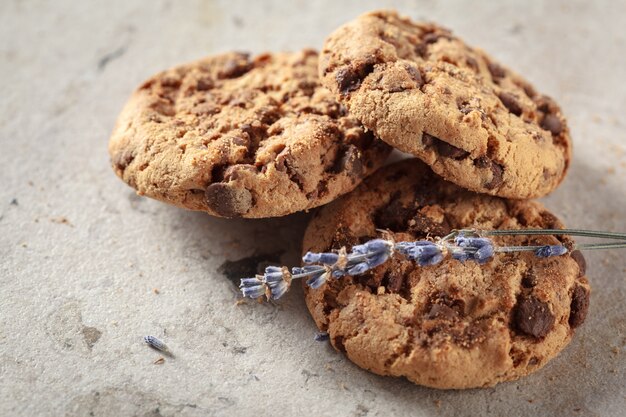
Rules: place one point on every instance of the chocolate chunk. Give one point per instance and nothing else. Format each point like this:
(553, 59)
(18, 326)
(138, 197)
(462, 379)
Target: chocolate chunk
(497, 72)
(550, 220)
(528, 90)
(444, 148)
(482, 162)
(450, 151)
(446, 299)
(228, 201)
(394, 216)
(393, 282)
(204, 84)
(236, 67)
(349, 78)
(348, 160)
(472, 63)
(441, 311)
(170, 82)
(307, 87)
(239, 141)
(580, 260)
(285, 163)
(545, 104)
(415, 75)
(533, 316)
(552, 124)
(255, 132)
(511, 103)
(497, 173)
(163, 106)
(421, 49)
(421, 224)
(433, 37)
(579, 306)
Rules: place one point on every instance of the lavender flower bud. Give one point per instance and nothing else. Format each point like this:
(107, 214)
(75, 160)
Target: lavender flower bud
(460, 255)
(422, 251)
(358, 250)
(326, 258)
(278, 280)
(317, 279)
(338, 273)
(155, 343)
(433, 259)
(278, 289)
(359, 268)
(252, 287)
(321, 337)
(377, 259)
(472, 242)
(483, 254)
(273, 273)
(378, 245)
(550, 250)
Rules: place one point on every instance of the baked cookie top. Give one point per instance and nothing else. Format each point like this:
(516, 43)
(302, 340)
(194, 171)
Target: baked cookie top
(452, 325)
(424, 91)
(242, 137)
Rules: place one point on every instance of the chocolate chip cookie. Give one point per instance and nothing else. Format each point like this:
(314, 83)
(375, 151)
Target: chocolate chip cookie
(237, 136)
(424, 91)
(455, 324)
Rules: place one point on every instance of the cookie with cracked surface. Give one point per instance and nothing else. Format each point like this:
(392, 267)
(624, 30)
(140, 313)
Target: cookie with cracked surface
(424, 91)
(237, 136)
(452, 325)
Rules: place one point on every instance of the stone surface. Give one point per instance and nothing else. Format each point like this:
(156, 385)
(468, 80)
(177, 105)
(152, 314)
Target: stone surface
(82, 257)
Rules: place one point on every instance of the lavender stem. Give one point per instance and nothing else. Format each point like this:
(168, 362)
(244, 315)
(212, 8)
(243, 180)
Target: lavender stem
(570, 232)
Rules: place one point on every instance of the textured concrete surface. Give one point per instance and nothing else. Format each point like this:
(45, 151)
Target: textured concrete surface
(82, 257)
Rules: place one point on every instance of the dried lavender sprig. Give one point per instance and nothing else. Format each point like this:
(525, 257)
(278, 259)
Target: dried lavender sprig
(469, 244)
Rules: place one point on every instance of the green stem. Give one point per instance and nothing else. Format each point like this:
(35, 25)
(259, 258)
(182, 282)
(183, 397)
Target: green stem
(571, 232)
(595, 246)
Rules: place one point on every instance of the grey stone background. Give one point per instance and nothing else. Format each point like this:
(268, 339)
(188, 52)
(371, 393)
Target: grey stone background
(81, 255)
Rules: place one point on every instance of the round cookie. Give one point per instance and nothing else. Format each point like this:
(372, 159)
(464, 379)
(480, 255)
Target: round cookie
(452, 325)
(424, 91)
(242, 137)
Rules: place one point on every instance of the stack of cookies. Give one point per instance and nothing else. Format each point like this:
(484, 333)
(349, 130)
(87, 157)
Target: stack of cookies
(268, 136)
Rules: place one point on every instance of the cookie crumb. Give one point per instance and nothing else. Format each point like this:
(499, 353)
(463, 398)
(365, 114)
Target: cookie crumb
(61, 220)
